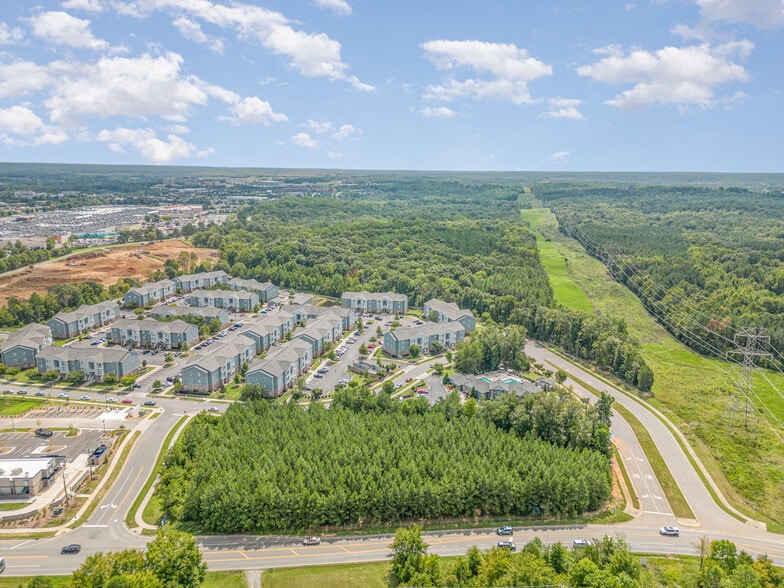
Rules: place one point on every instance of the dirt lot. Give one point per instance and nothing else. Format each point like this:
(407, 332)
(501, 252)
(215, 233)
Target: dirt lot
(106, 267)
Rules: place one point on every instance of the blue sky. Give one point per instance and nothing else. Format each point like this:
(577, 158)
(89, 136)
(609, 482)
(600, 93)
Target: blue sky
(581, 85)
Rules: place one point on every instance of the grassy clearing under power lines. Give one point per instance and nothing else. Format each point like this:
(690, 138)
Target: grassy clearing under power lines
(692, 390)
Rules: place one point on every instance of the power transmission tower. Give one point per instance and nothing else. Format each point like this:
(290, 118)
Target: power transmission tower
(749, 343)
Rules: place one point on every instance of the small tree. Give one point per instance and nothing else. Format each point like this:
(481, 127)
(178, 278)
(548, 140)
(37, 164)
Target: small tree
(408, 553)
(363, 349)
(388, 387)
(432, 316)
(75, 377)
(174, 557)
(414, 350)
(560, 376)
(50, 375)
(110, 379)
(360, 324)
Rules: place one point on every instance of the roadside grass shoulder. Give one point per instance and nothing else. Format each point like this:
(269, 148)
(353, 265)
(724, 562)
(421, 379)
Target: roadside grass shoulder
(693, 391)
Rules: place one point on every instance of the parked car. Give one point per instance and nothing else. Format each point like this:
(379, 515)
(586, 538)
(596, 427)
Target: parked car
(504, 531)
(62, 395)
(323, 370)
(43, 433)
(318, 375)
(343, 381)
(149, 403)
(72, 548)
(581, 543)
(672, 531)
(312, 541)
(507, 545)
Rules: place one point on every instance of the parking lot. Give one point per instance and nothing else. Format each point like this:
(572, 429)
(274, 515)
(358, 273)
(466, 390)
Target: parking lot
(27, 444)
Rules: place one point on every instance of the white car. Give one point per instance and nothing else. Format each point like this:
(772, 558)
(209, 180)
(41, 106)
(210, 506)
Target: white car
(62, 395)
(111, 399)
(581, 543)
(85, 397)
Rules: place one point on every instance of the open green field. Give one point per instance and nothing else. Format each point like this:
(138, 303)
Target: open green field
(12, 406)
(565, 290)
(370, 575)
(693, 391)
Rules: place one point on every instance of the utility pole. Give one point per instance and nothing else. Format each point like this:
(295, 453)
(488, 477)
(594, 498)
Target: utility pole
(65, 487)
(749, 343)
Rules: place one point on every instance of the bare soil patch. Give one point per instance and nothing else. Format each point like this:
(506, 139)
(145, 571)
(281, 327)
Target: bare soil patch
(105, 266)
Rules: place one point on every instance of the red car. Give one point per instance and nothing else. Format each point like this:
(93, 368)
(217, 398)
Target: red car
(126, 401)
(409, 379)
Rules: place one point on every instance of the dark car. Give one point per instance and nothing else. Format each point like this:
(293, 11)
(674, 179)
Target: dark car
(504, 531)
(72, 548)
(149, 403)
(43, 433)
(507, 545)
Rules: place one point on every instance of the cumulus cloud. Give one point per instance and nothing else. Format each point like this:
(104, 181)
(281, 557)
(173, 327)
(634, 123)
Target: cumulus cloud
(21, 126)
(192, 31)
(334, 154)
(22, 77)
(560, 157)
(61, 28)
(345, 132)
(253, 111)
(507, 70)
(316, 126)
(304, 140)
(311, 54)
(680, 76)
(86, 5)
(9, 35)
(765, 14)
(118, 86)
(437, 112)
(563, 108)
(337, 6)
(147, 143)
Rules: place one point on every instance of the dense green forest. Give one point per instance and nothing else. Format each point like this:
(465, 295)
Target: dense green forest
(455, 240)
(277, 468)
(705, 261)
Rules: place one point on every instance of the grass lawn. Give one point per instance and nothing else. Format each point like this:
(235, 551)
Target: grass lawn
(225, 579)
(370, 575)
(693, 391)
(14, 405)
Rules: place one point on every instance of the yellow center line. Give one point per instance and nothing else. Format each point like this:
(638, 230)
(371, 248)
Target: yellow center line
(344, 549)
(130, 488)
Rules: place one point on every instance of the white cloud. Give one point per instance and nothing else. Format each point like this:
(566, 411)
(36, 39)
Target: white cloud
(438, 112)
(345, 132)
(563, 108)
(509, 69)
(8, 35)
(337, 6)
(86, 5)
(22, 77)
(560, 157)
(118, 86)
(311, 54)
(21, 126)
(61, 28)
(334, 154)
(304, 140)
(192, 31)
(765, 14)
(681, 76)
(316, 126)
(253, 111)
(146, 142)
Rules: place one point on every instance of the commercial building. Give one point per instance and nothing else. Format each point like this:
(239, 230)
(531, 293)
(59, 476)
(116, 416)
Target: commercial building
(28, 477)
